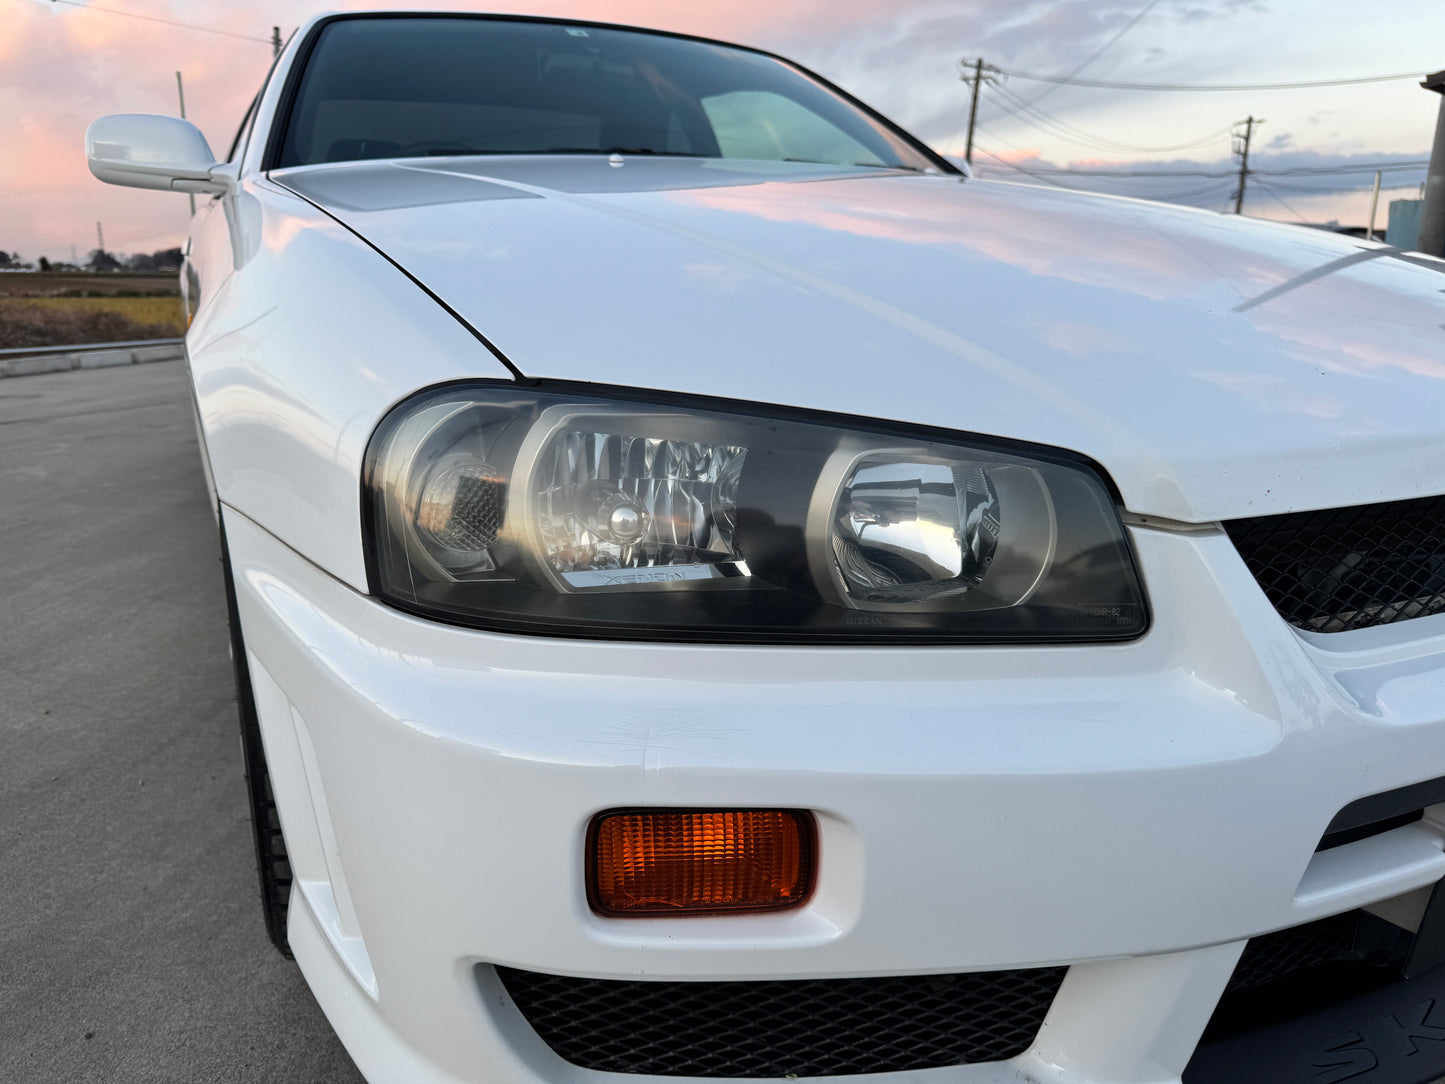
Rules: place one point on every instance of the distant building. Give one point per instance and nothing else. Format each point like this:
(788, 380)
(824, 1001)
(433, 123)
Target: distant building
(1404, 229)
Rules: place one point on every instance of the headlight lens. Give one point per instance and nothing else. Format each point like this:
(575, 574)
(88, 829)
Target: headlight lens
(580, 514)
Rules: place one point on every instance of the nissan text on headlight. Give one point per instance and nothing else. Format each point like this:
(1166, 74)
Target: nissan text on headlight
(716, 592)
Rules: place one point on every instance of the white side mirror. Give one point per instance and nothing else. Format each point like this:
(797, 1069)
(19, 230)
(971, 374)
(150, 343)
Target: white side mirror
(144, 151)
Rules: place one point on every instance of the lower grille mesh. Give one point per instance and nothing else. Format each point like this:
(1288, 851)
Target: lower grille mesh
(1349, 568)
(1278, 955)
(777, 1029)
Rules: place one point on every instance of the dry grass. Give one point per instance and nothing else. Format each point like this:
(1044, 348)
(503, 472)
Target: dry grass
(142, 310)
(86, 284)
(63, 321)
(71, 307)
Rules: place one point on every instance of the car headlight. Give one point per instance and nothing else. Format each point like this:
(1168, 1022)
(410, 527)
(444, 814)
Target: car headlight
(635, 516)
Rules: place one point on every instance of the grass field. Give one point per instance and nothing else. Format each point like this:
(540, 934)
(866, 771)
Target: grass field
(85, 284)
(64, 309)
(164, 310)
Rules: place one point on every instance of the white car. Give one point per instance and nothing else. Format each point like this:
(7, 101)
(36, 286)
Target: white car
(717, 593)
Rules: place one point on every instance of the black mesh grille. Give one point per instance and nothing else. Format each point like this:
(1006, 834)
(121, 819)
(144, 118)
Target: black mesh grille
(819, 1027)
(1276, 955)
(1349, 568)
(1292, 974)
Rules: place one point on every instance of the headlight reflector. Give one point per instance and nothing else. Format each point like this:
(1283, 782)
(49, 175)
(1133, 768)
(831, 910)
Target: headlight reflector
(461, 507)
(604, 514)
(624, 500)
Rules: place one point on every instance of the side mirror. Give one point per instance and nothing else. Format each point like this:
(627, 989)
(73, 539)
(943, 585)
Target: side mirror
(143, 151)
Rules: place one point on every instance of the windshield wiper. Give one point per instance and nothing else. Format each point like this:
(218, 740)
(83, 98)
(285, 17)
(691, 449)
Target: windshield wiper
(885, 165)
(622, 150)
(437, 152)
(460, 152)
(865, 165)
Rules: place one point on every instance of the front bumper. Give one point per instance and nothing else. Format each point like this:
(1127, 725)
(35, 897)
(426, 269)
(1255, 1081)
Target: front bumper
(1136, 811)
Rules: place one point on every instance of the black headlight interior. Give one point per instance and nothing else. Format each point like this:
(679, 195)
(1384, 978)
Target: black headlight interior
(596, 514)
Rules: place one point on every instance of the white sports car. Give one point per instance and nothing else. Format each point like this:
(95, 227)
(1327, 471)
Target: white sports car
(716, 592)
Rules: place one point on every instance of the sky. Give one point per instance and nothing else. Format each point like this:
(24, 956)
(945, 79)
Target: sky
(65, 62)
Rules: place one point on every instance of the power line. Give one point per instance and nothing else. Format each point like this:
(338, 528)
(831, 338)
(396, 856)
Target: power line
(1216, 174)
(1202, 193)
(1280, 200)
(1027, 172)
(1191, 194)
(1167, 197)
(1027, 112)
(1363, 167)
(1316, 190)
(1210, 190)
(1097, 54)
(167, 22)
(1006, 143)
(1291, 171)
(1021, 150)
(1110, 85)
(1060, 129)
(1295, 171)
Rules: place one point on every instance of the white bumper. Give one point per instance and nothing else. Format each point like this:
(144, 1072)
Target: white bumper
(1136, 810)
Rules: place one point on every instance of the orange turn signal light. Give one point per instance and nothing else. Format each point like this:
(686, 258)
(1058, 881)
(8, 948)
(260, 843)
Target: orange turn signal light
(669, 862)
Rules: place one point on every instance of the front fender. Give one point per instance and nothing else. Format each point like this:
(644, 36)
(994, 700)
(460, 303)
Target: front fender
(303, 337)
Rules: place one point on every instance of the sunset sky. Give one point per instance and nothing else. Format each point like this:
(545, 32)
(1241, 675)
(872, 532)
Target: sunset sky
(64, 62)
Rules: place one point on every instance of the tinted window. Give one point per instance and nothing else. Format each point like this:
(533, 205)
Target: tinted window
(412, 87)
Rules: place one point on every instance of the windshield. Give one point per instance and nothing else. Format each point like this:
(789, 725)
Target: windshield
(394, 87)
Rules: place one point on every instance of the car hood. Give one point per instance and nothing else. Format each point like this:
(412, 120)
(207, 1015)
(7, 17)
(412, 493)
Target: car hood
(1215, 367)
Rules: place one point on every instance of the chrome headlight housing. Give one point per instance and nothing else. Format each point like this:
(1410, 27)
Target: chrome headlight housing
(627, 515)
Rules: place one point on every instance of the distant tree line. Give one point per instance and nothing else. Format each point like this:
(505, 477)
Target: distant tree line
(167, 259)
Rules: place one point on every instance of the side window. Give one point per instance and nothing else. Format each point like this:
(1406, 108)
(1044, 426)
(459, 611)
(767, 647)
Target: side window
(761, 124)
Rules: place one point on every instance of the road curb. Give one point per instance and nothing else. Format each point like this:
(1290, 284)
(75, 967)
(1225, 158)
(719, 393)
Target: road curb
(99, 356)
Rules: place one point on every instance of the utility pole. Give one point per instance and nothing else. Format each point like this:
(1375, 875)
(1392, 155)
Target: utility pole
(1241, 149)
(181, 93)
(100, 238)
(275, 41)
(1431, 239)
(1374, 205)
(976, 80)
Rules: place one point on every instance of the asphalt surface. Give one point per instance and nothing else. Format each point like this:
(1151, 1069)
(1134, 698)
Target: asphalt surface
(131, 939)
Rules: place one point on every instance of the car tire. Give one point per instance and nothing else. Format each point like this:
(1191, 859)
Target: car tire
(273, 866)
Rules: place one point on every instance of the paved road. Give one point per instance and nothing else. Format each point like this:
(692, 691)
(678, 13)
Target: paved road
(131, 944)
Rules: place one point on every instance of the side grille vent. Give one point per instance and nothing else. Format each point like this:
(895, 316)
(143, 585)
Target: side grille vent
(1349, 568)
(1278, 955)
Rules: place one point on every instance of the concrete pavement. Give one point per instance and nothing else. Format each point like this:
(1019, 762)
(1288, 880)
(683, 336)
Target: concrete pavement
(52, 359)
(131, 941)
